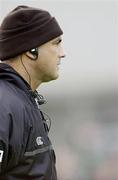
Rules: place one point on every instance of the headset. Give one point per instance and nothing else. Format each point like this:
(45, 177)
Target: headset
(34, 52)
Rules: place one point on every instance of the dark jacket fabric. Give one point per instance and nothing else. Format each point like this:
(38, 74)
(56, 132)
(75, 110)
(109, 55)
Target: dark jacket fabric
(25, 149)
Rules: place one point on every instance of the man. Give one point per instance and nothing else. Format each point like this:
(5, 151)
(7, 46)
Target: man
(30, 51)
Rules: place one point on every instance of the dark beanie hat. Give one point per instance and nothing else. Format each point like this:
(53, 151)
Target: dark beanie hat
(25, 28)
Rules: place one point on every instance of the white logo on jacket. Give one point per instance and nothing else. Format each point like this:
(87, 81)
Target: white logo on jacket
(1, 155)
(39, 141)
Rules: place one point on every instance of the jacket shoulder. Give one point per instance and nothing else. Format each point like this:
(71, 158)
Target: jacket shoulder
(10, 96)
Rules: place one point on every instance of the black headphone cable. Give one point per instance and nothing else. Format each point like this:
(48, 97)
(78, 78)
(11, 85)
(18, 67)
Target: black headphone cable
(26, 70)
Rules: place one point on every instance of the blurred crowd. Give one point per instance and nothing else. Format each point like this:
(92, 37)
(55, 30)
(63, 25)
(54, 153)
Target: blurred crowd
(86, 137)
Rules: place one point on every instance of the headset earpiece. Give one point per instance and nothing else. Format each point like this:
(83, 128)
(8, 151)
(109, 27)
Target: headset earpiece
(34, 52)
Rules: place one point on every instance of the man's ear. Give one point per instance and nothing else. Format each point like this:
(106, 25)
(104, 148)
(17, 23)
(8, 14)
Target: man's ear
(29, 55)
(32, 54)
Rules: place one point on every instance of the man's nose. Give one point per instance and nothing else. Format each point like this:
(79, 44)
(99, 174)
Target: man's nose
(62, 53)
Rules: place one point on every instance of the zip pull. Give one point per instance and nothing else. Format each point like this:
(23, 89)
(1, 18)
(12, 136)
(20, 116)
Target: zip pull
(39, 98)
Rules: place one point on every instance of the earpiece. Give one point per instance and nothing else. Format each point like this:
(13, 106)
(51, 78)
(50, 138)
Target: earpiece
(34, 52)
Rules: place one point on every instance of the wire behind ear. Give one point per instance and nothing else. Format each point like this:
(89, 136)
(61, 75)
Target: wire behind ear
(34, 52)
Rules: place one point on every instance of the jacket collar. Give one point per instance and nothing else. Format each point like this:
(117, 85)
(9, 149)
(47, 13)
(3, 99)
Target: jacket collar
(7, 73)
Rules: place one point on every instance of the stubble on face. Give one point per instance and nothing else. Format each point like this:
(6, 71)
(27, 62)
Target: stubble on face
(48, 61)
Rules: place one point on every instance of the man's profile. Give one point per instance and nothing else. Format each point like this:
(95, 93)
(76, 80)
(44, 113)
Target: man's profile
(30, 53)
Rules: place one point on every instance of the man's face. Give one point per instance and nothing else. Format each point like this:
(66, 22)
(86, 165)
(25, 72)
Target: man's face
(49, 59)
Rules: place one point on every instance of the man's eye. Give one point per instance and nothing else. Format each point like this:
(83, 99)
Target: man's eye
(59, 41)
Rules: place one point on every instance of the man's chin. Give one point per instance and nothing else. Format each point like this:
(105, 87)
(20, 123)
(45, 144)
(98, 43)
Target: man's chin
(52, 78)
(55, 77)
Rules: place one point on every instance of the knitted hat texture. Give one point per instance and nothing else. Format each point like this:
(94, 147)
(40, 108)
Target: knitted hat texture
(25, 28)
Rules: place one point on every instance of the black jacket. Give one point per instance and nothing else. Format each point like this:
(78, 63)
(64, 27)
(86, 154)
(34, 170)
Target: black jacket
(25, 149)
